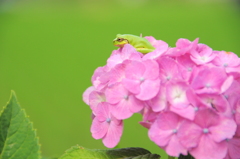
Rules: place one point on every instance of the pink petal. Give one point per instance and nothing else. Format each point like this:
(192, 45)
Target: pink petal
(175, 148)
(135, 70)
(116, 93)
(149, 89)
(122, 110)
(113, 135)
(186, 112)
(226, 84)
(209, 148)
(99, 129)
(132, 85)
(160, 137)
(87, 93)
(225, 130)
(152, 69)
(176, 94)
(234, 148)
(159, 102)
(189, 134)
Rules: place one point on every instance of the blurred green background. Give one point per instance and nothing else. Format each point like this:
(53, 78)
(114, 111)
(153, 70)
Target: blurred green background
(49, 50)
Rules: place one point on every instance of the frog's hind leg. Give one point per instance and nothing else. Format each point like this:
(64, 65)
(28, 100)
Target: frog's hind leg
(144, 50)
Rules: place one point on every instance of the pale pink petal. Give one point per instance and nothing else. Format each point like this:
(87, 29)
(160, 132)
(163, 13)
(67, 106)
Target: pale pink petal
(176, 94)
(87, 93)
(95, 98)
(226, 84)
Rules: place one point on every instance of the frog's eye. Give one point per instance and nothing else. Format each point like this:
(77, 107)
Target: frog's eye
(120, 39)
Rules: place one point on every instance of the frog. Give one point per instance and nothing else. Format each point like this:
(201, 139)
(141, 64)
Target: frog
(139, 43)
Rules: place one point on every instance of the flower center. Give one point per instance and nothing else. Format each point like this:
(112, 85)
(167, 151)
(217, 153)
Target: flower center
(203, 58)
(108, 120)
(142, 79)
(126, 97)
(174, 131)
(225, 65)
(205, 130)
(195, 109)
(226, 96)
(189, 69)
(208, 85)
(168, 78)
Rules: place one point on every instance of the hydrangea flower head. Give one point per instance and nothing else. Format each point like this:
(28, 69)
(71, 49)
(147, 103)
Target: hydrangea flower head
(188, 95)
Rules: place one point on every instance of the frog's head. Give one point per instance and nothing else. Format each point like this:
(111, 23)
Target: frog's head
(120, 41)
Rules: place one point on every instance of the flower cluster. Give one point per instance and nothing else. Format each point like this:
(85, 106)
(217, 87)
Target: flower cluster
(188, 95)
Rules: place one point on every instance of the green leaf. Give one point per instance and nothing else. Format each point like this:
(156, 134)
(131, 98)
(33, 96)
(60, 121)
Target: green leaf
(17, 137)
(78, 152)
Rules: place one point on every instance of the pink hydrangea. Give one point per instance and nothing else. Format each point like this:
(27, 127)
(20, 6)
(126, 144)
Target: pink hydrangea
(188, 95)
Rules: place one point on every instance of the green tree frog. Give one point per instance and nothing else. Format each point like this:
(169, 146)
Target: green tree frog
(140, 44)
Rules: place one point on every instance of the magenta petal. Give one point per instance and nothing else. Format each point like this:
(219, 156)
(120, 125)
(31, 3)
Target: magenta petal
(99, 129)
(149, 89)
(113, 135)
(209, 148)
